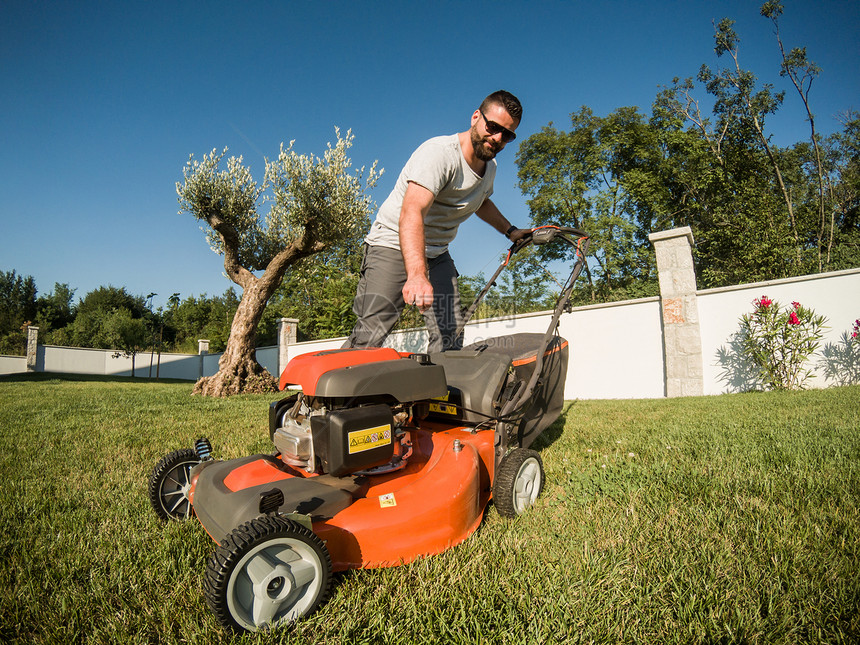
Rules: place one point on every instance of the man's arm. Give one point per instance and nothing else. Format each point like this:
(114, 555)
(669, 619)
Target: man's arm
(493, 216)
(416, 202)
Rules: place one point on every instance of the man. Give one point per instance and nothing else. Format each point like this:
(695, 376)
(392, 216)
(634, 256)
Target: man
(406, 258)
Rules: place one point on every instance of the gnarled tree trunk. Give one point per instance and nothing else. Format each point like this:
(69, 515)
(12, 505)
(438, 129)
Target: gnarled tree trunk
(238, 370)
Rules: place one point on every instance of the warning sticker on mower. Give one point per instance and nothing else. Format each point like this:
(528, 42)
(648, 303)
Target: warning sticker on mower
(369, 438)
(443, 408)
(387, 500)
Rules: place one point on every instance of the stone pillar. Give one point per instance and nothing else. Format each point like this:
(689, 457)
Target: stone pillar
(202, 350)
(32, 348)
(287, 335)
(682, 338)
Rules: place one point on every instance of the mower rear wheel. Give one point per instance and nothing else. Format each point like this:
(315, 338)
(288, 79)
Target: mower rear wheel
(267, 572)
(518, 483)
(170, 483)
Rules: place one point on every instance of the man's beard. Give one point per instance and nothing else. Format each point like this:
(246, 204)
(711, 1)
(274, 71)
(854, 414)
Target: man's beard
(481, 151)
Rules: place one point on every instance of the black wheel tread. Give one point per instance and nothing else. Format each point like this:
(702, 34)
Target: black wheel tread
(164, 466)
(233, 548)
(505, 480)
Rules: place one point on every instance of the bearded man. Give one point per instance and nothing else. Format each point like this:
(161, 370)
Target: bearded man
(406, 259)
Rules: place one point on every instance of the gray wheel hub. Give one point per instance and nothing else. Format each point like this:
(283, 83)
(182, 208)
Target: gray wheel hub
(527, 485)
(275, 582)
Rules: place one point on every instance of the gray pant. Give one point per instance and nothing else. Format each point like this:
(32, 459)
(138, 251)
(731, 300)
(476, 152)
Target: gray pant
(379, 300)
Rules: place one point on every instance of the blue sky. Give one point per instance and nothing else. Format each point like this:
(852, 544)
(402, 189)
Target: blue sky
(102, 103)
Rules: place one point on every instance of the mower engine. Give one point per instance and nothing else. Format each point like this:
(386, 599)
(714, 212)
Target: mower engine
(340, 442)
(351, 414)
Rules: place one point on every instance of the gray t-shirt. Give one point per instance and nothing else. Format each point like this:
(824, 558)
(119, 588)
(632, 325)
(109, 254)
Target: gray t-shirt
(439, 166)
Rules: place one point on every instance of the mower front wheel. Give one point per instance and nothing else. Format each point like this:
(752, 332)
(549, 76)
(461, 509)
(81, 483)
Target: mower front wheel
(267, 572)
(518, 483)
(170, 483)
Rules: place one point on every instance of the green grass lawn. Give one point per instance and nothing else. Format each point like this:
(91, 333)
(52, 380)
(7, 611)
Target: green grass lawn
(730, 519)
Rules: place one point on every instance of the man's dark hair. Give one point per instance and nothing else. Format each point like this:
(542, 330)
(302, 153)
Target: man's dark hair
(508, 101)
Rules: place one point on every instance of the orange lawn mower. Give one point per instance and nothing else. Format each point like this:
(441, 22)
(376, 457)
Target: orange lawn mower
(380, 458)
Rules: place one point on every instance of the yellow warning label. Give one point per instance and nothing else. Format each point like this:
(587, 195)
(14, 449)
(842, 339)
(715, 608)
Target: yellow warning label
(369, 438)
(387, 500)
(443, 408)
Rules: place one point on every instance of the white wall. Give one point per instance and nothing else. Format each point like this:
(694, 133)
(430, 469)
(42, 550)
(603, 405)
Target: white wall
(82, 360)
(616, 349)
(73, 360)
(79, 360)
(268, 358)
(13, 364)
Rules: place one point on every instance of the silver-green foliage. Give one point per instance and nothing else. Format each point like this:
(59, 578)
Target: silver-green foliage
(309, 199)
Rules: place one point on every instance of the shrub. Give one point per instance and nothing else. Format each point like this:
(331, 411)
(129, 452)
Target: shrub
(779, 342)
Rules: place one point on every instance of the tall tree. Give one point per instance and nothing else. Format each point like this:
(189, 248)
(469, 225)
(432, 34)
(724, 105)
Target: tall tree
(717, 180)
(55, 310)
(99, 315)
(757, 211)
(765, 212)
(17, 310)
(842, 167)
(742, 109)
(576, 178)
(314, 204)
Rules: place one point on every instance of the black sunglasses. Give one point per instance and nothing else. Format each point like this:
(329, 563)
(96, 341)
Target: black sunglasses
(494, 128)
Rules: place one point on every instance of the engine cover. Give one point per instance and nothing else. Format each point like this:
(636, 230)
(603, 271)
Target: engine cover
(346, 441)
(363, 373)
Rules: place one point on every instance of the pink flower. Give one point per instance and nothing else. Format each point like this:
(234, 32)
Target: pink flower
(793, 319)
(796, 305)
(763, 303)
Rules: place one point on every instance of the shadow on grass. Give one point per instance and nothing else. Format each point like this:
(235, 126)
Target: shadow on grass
(554, 432)
(44, 377)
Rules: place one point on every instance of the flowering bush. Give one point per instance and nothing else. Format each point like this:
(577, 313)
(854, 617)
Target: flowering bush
(779, 342)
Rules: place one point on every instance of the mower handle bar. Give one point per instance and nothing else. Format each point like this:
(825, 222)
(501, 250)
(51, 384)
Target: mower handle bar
(539, 235)
(545, 235)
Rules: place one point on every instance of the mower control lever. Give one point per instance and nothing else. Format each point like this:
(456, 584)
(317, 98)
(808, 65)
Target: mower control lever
(544, 235)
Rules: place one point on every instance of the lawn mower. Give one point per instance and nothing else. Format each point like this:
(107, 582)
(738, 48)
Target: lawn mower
(381, 457)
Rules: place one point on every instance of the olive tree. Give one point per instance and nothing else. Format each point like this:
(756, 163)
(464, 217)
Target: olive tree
(313, 204)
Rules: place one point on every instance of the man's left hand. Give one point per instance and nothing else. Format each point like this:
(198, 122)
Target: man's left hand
(518, 234)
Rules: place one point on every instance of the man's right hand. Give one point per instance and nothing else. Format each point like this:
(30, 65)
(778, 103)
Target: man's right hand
(416, 202)
(419, 292)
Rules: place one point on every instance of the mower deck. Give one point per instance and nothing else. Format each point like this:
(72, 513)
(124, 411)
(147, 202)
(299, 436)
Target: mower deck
(366, 521)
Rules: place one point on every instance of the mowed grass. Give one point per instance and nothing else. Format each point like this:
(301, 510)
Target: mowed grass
(731, 519)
